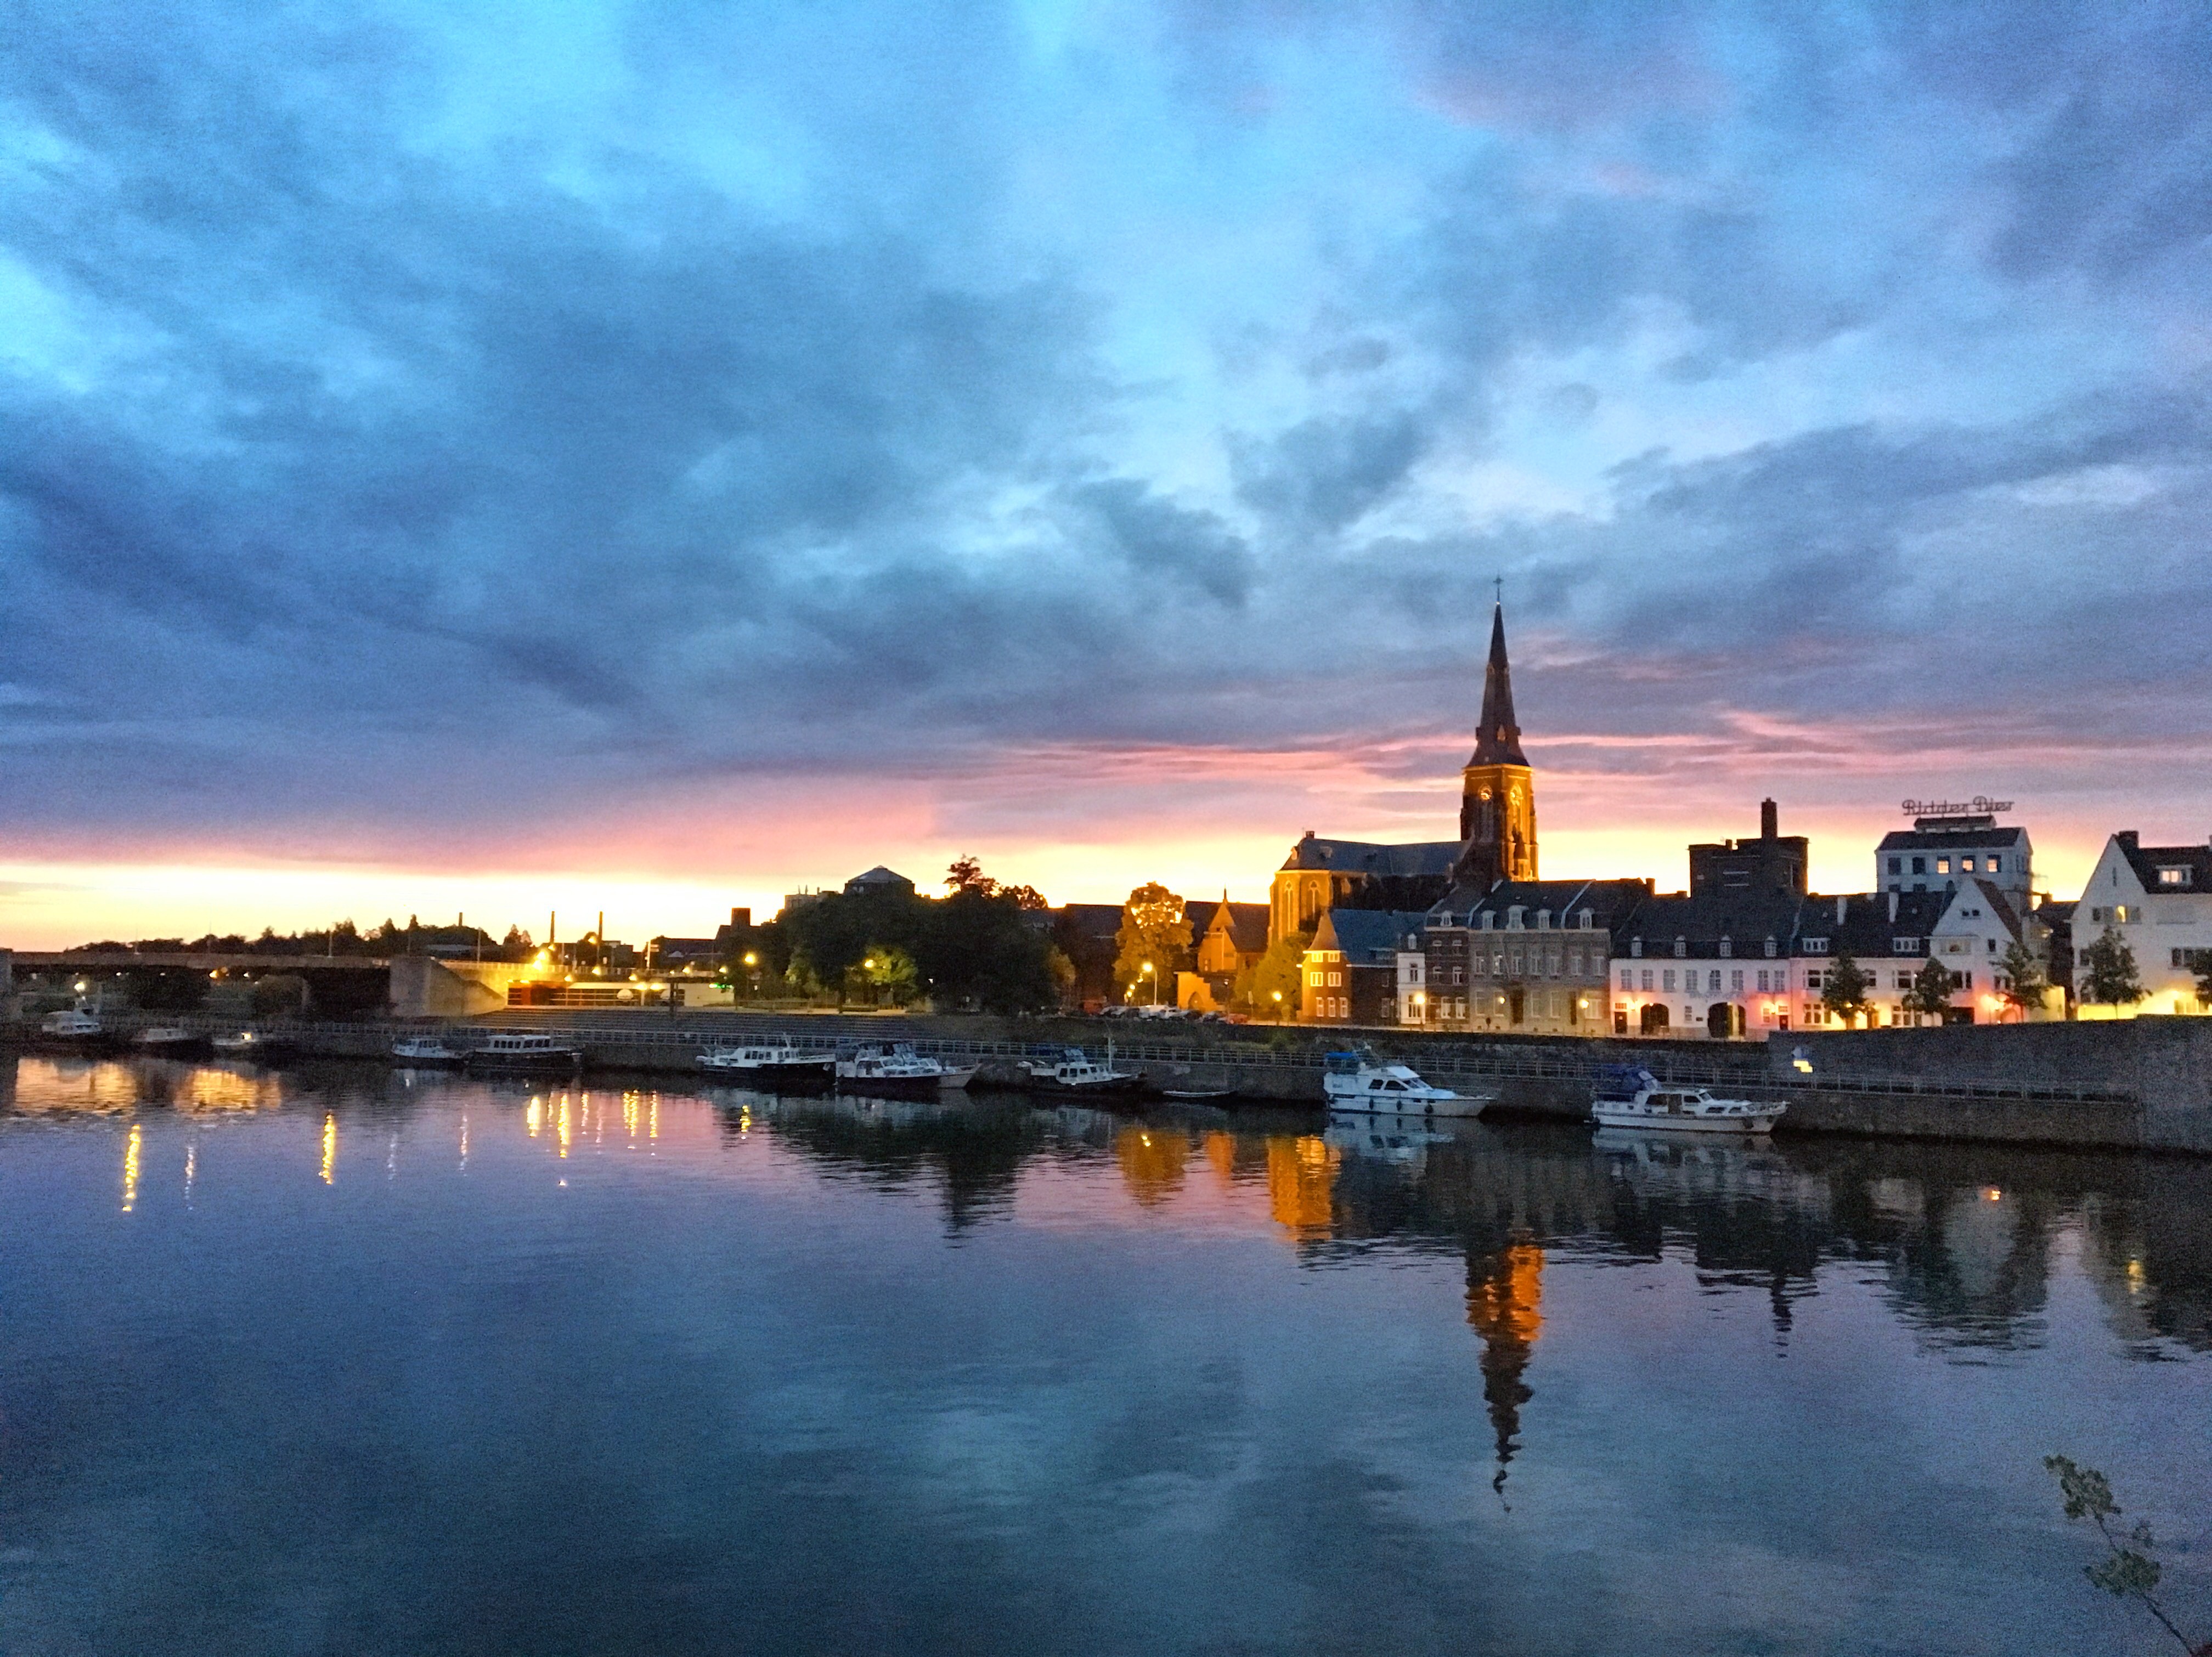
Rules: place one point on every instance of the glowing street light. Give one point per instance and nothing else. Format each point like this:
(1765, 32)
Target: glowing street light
(1150, 974)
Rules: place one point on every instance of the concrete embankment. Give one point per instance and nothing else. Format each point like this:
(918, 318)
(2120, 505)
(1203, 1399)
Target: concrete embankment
(2143, 1083)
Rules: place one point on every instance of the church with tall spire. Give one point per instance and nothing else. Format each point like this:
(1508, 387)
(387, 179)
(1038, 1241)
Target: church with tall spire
(1496, 830)
(1498, 795)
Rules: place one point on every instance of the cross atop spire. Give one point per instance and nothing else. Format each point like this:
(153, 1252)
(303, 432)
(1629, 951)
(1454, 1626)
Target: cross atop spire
(1498, 743)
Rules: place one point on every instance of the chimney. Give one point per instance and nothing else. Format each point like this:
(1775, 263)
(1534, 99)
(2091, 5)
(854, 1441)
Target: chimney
(2127, 837)
(1892, 908)
(1840, 901)
(1769, 826)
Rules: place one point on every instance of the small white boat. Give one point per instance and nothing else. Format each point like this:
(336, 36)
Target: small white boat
(1361, 1082)
(514, 1050)
(897, 1069)
(72, 1024)
(1074, 1071)
(249, 1044)
(775, 1061)
(170, 1042)
(424, 1051)
(1630, 1097)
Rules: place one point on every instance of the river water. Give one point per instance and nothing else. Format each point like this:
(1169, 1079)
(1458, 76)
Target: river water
(345, 1361)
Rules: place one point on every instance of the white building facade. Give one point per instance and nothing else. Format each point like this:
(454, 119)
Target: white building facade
(2157, 900)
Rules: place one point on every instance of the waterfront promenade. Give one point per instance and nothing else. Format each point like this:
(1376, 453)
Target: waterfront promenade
(2144, 1084)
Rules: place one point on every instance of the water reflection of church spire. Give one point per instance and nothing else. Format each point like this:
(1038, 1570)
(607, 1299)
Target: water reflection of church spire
(1504, 1292)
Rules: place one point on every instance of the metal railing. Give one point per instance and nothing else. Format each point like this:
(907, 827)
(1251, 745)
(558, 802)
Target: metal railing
(648, 1037)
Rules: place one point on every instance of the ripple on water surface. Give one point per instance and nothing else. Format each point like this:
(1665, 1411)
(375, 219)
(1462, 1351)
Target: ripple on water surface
(354, 1360)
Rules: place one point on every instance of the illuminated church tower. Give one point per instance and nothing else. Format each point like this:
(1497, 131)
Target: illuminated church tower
(1497, 805)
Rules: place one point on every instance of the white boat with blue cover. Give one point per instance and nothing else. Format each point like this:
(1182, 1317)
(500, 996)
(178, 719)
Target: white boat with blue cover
(1359, 1081)
(1628, 1095)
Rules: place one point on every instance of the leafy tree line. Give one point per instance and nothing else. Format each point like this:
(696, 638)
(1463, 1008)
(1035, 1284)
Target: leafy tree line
(981, 945)
(342, 937)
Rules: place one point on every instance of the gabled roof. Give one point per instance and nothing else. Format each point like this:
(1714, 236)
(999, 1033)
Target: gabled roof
(1090, 920)
(1951, 840)
(1498, 741)
(1361, 856)
(1867, 930)
(1980, 895)
(2147, 860)
(1246, 923)
(1366, 937)
(1610, 902)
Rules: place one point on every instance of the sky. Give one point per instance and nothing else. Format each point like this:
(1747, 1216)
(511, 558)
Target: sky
(503, 458)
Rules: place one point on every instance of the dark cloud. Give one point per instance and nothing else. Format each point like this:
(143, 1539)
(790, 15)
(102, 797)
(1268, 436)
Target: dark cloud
(1328, 473)
(1161, 538)
(380, 433)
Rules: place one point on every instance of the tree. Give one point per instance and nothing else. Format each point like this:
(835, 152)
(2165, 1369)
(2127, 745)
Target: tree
(1930, 993)
(2129, 1566)
(2111, 979)
(516, 939)
(985, 951)
(1275, 974)
(1843, 988)
(2024, 982)
(1156, 933)
(2199, 962)
(889, 973)
(966, 875)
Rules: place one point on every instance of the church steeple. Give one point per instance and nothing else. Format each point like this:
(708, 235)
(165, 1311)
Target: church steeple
(1498, 741)
(1498, 802)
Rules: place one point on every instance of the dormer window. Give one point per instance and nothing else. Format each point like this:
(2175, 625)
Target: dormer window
(1816, 946)
(1770, 948)
(2174, 876)
(1587, 917)
(1543, 920)
(1728, 949)
(1904, 946)
(1513, 921)
(1489, 921)
(1681, 948)
(1636, 946)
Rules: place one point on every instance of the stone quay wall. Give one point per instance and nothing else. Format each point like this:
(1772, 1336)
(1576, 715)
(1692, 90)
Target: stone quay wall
(2143, 1083)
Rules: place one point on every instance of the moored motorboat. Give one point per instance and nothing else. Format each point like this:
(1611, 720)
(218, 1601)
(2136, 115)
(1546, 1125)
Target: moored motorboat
(897, 1070)
(171, 1041)
(522, 1051)
(251, 1045)
(777, 1061)
(1360, 1083)
(424, 1053)
(72, 1027)
(1628, 1095)
(1074, 1070)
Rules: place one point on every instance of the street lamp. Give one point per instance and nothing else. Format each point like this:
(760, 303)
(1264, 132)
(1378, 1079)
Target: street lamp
(1279, 1005)
(1150, 974)
(753, 979)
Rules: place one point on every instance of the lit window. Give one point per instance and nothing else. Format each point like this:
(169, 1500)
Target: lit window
(2173, 877)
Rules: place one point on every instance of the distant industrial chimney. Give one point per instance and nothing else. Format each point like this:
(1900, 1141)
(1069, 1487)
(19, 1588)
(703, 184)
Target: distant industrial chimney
(1770, 823)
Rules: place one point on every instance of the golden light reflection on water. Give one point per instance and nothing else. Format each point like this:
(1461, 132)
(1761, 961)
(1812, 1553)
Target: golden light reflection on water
(191, 1170)
(565, 1126)
(534, 1118)
(1301, 1183)
(1151, 1163)
(132, 1149)
(330, 1148)
(227, 1089)
(100, 1086)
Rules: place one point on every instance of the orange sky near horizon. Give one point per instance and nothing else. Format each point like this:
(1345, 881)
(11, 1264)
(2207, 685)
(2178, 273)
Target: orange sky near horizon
(55, 903)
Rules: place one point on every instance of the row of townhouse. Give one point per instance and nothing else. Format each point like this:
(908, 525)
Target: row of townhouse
(1599, 957)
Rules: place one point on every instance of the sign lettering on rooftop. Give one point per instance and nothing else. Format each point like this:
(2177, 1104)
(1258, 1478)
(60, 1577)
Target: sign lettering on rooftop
(1980, 806)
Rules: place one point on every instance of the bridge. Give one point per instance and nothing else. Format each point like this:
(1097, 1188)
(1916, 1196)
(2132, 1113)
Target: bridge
(74, 960)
